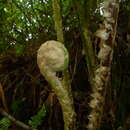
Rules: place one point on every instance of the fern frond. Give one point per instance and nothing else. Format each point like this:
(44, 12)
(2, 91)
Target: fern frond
(4, 123)
(37, 119)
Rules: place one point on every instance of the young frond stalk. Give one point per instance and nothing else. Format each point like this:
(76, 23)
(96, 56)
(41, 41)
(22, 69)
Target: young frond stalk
(53, 57)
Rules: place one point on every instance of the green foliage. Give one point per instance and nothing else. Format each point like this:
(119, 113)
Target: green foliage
(21, 22)
(5, 123)
(127, 5)
(19, 49)
(37, 119)
(16, 105)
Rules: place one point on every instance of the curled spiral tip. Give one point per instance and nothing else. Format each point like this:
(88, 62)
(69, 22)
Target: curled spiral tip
(53, 55)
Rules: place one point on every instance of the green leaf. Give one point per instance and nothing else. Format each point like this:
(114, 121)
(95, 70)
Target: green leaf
(37, 119)
(2, 6)
(19, 49)
(5, 123)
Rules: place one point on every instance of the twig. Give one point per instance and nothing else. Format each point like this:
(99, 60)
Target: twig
(17, 122)
(3, 98)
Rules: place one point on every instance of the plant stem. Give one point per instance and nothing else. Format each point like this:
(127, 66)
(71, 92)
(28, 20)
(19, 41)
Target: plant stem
(49, 63)
(87, 43)
(17, 122)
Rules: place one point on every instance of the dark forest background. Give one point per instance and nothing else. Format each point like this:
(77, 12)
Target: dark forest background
(24, 92)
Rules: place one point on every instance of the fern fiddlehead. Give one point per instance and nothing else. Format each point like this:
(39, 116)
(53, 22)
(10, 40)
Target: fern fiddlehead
(52, 57)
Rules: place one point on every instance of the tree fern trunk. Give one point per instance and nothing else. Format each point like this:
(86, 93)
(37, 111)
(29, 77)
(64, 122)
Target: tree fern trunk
(105, 55)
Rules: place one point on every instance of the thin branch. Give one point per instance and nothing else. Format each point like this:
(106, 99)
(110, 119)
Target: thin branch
(17, 122)
(58, 20)
(86, 38)
(3, 98)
